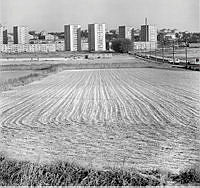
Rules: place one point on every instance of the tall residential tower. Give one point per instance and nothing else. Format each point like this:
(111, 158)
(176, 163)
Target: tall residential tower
(72, 35)
(126, 32)
(148, 33)
(96, 37)
(20, 34)
(3, 35)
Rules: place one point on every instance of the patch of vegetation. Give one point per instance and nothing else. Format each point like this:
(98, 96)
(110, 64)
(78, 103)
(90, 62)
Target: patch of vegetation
(122, 45)
(23, 173)
(189, 176)
(62, 174)
(43, 72)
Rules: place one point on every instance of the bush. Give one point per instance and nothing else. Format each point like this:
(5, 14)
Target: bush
(188, 176)
(122, 45)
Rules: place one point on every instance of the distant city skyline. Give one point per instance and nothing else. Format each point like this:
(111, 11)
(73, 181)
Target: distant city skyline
(52, 15)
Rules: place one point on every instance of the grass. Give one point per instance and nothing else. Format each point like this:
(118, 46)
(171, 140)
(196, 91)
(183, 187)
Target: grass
(188, 176)
(20, 81)
(62, 174)
(23, 173)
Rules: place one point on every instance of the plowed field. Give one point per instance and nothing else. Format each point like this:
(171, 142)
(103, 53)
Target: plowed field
(142, 118)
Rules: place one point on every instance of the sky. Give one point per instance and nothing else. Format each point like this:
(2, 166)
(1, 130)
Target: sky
(52, 15)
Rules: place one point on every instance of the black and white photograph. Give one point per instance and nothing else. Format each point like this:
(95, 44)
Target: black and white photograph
(100, 93)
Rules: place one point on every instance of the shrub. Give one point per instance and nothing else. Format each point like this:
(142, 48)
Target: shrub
(122, 45)
(191, 175)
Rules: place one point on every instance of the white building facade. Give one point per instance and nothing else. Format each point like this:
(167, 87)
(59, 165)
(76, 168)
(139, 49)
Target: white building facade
(72, 34)
(140, 45)
(96, 37)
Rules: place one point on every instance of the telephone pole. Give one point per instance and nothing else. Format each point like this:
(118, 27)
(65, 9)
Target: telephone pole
(146, 30)
(173, 53)
(155, 54)
(186, 44)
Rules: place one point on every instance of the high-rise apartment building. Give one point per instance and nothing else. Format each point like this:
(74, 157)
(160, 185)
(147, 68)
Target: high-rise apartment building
(148, 33)
(96, 37)
(3, 35)
(126, 32)
(72, 34)
(20, 34)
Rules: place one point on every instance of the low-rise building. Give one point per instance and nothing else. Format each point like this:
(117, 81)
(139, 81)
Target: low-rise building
(32, 48)
(170, 36)
(140, 45)
(84, 44)
(60, 45)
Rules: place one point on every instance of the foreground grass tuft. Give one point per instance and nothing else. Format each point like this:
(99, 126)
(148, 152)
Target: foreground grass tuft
(22, 173)
(30, 174)
(188, 176)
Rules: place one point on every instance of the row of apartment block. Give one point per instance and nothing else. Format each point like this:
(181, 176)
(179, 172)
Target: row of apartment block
(96, 37)
(72, 37)
(72, 33)
(148, 33)
(20, 35)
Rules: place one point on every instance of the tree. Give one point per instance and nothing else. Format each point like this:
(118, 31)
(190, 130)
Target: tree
(84, 33)
(122, 45)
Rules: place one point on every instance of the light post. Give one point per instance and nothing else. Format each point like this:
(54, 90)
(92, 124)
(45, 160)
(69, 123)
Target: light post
(150, 50)
(163, 51)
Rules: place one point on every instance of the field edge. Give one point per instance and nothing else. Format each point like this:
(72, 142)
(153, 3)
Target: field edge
(25, 173)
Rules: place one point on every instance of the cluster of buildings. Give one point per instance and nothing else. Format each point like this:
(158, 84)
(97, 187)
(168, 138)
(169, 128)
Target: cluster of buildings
(96, 40)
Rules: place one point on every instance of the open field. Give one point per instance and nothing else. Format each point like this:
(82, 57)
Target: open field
(142, 118)
(118, 61)
(61, 60)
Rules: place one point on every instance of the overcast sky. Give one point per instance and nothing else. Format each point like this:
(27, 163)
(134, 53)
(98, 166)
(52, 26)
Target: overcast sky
(51, 15)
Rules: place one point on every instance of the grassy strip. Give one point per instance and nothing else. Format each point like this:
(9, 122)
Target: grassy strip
(14, 173)
(189, 176)
(62, 174)
(8, 85)
(23, 67)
